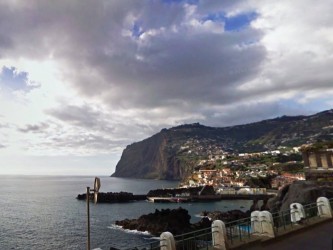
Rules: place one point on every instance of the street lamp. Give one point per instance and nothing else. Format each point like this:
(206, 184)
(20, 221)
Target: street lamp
(97, 185)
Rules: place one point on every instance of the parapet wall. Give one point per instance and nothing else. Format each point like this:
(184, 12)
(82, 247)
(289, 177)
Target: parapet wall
(318, 166)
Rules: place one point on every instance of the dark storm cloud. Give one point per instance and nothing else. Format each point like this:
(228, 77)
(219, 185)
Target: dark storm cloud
(189, 63)
(162, 63)
(173, 67)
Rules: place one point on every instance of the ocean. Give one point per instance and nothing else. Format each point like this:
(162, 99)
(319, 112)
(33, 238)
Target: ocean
(41, 212)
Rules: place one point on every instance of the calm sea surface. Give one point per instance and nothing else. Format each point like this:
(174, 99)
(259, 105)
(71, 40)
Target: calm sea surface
(41, 212)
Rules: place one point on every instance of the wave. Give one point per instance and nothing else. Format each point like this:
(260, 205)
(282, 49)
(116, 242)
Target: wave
(152, 238)
(199, 216)
(113, 226)
(202, 216)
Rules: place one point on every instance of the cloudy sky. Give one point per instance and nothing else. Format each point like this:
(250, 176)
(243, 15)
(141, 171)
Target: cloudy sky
(81, 79)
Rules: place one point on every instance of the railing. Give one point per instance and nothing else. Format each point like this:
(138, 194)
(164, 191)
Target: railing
(242, 230)
(238, 230)
(153, 245)
(200, 239)
(282, 220)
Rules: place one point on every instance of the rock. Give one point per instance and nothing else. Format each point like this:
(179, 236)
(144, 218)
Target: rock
(254, 206)
(204, 213)
(206, 190)
(203, 223)
(176, 221)
(81, 196)
(264, 205)
(303, 192)
(226, 216)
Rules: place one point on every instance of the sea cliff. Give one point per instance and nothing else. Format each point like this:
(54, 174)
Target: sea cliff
(173, 154)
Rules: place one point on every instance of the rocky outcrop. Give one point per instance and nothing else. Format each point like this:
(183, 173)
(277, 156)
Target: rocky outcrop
(303, 192)
(113, 197)
(172, 153)
(207, 190)
(176, 221)
(228, 216)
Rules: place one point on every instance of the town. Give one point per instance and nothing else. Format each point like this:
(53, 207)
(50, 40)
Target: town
(245, 173)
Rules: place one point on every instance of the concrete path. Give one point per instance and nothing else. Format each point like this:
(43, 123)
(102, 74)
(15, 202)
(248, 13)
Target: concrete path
(317, 237)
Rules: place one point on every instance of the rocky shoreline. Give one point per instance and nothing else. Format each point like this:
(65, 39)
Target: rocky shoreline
(176, 221)
(303, 192)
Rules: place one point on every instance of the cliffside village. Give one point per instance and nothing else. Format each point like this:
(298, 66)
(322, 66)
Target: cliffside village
(225, 181)
(247, 173)
(254, 173)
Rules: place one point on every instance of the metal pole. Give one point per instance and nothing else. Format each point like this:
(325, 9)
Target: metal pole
(88, 219)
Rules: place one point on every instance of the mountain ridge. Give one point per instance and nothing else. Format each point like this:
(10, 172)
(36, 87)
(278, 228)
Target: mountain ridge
(173, 153)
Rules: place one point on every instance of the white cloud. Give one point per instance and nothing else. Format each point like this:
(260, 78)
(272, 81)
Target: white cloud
(113, 72)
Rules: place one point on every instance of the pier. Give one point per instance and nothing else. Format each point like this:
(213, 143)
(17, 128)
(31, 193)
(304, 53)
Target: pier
(207, 198)
(174, 195)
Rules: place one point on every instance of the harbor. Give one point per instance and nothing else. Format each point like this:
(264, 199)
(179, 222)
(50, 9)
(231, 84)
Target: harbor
(181, 195)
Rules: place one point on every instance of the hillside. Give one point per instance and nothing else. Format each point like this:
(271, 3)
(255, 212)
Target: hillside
(173, 153)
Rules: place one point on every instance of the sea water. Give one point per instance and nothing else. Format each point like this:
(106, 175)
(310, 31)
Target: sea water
(41, 212)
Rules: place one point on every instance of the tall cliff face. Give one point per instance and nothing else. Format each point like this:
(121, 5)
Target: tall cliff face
(173, 153)
(150, 158)
(158, 156)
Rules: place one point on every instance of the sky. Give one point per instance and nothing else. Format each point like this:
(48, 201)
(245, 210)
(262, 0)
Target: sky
(82, 79)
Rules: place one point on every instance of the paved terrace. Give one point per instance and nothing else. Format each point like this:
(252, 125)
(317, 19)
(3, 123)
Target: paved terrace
(314, 235)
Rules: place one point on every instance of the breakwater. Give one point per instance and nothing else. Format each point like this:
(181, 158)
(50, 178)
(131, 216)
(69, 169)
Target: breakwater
(111, 197)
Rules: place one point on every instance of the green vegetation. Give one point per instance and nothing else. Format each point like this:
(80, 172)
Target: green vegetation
(260, 182)
(268, 159)
(289, 167)
(282, 158)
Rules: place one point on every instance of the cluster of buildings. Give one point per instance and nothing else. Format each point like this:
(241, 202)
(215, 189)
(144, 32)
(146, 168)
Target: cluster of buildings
(231, 180)
(286, 178)
(226, 179)
(228, 172)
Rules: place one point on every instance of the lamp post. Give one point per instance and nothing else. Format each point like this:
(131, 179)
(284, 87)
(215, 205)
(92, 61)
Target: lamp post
(97, 186)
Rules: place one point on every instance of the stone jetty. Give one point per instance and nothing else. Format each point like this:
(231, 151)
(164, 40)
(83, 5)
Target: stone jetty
(111, 197)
